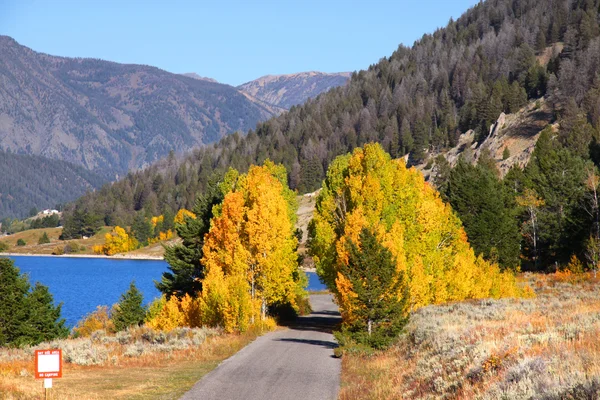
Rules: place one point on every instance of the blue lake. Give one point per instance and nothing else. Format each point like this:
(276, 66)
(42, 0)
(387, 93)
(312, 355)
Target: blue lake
(81, 284)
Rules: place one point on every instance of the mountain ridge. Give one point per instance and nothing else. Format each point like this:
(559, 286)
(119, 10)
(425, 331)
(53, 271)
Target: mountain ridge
(288, 90)
(106, 115)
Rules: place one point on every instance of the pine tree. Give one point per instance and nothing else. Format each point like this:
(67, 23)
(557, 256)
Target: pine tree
(486, 209)
(27, 317)
(44, 239)
(13, 310)
(142, 229)
(44, 322)
(557, 176)
(185, 265)
(380, 313)
(129, 310)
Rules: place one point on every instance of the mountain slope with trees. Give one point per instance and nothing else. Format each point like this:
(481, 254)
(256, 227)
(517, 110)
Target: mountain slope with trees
(416, 102)
(37, 182)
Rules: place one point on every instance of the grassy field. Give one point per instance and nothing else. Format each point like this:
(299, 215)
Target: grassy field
(136, 364)
(75, 246)
(32, 236)
(541, 348)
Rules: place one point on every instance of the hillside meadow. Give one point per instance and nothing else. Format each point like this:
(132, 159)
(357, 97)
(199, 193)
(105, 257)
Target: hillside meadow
(544, 347)
(82, 247)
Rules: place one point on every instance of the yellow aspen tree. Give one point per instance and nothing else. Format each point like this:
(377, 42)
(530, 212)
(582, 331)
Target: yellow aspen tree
(225, 290)
(157, 220)
(368, 189)
(170, 316)
(270, 239)
(117, 241)
(249, 252)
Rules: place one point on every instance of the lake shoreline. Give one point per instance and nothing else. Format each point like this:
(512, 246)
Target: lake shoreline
(115, 257)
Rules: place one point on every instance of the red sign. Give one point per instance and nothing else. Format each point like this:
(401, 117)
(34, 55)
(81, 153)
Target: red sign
(48, 364)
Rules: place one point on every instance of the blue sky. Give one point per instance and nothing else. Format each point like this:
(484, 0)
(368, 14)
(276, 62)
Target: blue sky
(231, 41)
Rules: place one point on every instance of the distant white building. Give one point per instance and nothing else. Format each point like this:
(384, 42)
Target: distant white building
(49, 212)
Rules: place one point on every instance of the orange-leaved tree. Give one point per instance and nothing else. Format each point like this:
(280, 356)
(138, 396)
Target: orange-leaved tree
(367, 189)
(250, 250)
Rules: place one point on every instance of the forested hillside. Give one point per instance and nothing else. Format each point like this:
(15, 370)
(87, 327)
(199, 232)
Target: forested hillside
(499, 56)
(37, 182)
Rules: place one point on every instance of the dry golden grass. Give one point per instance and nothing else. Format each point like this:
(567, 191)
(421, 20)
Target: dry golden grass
(546, 347)
(154, 374)
(32, 236)
(83, 246)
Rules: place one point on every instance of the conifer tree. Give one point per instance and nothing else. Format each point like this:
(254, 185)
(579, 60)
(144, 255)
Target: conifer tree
(44, 322)
(44, 239)
(380, 312)
(185, 265)
(129, 310)
(557, 176)
(27, 317)
(487, 211)
(142, 229)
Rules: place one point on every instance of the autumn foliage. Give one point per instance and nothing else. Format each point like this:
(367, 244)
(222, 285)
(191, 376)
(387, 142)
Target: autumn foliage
(117, 241)
(249, 256)
(182, 214)
(250, 251)
(95, 321)
(368, 189)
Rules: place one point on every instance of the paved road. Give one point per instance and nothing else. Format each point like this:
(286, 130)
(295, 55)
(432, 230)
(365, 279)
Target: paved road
(294, 363)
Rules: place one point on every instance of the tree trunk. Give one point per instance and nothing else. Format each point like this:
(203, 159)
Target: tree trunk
(252, 293)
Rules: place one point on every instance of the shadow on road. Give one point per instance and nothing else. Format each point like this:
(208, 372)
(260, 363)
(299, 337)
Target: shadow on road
(315, 323)
(326, 312)
(322, 343)
(319, 321)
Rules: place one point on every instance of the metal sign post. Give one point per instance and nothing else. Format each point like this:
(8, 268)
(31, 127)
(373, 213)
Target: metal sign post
(48, 365)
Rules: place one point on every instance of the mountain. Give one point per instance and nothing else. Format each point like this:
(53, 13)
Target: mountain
(201, 78)
(498, 57)
(290, 90)
(110, 117)
(32, 181)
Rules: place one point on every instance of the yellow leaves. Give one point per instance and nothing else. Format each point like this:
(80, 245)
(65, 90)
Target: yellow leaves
(117, 241)
(162, 237)
(530, 199)
(346, 294)
(249, 252)
(97, 320)
(171, 316)
(226, 301)
(157, 220)
(181, 214)
(368, 189)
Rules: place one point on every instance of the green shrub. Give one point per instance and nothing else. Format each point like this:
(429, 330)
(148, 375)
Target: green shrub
(129, 311)
(21, 242)
(3, 247)
(44, 239)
